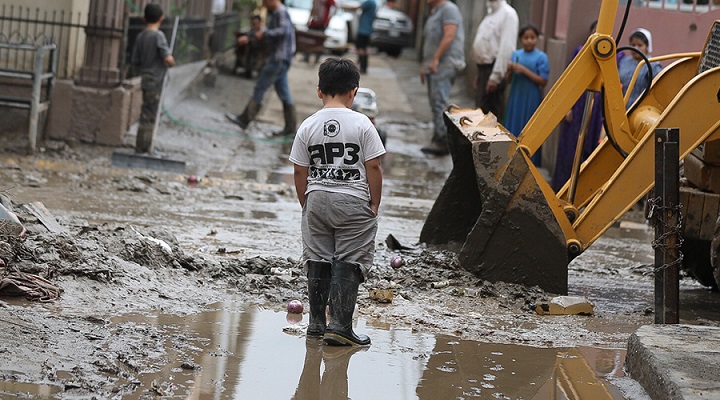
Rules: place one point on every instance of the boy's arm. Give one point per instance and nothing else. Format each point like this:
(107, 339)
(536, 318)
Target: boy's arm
(374, 177)
(170, 60)
(300, 175)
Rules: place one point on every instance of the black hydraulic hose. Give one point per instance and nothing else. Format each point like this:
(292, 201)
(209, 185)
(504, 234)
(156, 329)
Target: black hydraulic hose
(610, 137)
(624, 21)
(642, 96)
(602, 93)
(649, 74)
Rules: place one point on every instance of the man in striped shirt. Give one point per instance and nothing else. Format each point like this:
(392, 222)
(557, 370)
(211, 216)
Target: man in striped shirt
(279, 40)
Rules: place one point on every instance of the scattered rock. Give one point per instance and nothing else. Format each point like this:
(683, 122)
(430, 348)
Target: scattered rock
(381, 295)
(566, 305)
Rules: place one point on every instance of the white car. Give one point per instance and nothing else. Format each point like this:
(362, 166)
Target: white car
(338, 31)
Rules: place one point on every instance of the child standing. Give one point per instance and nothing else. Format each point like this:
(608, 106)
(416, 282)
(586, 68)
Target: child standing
(151, 57)
(528, 73)
(338, 180)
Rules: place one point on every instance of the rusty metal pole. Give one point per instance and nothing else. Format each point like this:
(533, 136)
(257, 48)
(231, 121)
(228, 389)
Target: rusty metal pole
(667, 283)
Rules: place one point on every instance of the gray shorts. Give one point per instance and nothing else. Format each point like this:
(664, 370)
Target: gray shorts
(340, 227)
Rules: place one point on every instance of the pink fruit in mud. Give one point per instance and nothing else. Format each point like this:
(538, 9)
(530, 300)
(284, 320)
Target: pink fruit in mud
(295, 307)
(293, 318)
(192, 179)
(397, 262)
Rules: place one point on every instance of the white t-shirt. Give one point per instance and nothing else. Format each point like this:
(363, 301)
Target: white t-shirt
(335, 143)
(496, 39)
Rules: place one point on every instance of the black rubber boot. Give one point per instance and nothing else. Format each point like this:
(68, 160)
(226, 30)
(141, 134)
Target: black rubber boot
(290, 121)
(144, 138)
(438, 147)
(346, 277)
(318, 291)
(363, 63)
(248, 115)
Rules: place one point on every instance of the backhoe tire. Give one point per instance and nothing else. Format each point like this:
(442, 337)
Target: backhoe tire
(715, 253)
(696, 261)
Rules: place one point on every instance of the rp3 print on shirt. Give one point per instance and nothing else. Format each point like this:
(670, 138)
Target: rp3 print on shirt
(334, 163)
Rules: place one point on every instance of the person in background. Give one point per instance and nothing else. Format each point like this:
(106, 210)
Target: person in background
(338, 182)
(640, 39)
(249, 51)
(528, 72)
(442, 58)
(570, 130)
(279, 40)
(495, 40)
(320, 14)
(365, 29)
(151, 58)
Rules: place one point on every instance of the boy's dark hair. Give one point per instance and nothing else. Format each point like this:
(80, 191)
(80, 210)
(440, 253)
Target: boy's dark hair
(153, 13)
(338, 76)
(528, 27)
(256, 17)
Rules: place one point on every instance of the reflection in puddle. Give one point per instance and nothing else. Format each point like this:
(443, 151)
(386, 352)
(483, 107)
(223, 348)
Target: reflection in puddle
(241, 352)
(17, 390)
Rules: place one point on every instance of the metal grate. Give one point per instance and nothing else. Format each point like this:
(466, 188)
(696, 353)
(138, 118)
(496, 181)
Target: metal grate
(711, 55)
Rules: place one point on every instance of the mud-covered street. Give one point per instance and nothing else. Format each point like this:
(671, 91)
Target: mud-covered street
(176, 285)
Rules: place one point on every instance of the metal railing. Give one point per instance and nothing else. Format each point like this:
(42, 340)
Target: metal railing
(83, 41)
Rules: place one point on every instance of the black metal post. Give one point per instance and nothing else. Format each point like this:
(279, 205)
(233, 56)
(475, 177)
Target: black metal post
(667, 282)
(671, 201)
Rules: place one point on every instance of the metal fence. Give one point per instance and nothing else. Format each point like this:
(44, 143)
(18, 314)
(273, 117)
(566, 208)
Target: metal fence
(22, 25)
(83, 41)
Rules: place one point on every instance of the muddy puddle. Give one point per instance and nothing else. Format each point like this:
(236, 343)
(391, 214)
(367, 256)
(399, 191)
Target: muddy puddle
(241, 351)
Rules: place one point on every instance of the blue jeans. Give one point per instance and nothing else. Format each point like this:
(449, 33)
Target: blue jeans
(439, 86)
(273, 73)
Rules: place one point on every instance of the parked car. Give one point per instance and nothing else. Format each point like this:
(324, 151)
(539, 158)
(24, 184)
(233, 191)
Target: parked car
(392, 31)
(338, 30)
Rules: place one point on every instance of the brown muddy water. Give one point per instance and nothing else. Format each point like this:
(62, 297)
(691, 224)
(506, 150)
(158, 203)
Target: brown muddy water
(241, 351)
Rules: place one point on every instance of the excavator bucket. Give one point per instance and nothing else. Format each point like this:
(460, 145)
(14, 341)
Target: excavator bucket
(494, 207)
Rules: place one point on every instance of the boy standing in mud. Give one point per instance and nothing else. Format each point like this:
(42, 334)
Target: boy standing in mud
(151, 57)
(338, 180)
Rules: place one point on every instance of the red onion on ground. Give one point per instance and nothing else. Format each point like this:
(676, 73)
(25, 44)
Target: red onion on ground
(397, 262)
(295, 307)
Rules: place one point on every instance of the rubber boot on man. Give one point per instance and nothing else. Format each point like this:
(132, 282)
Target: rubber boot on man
(363, 61)
(290, 119)
(438, 146)
(248, 115)
(346, 278)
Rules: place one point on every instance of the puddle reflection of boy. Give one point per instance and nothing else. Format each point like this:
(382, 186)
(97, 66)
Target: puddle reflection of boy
(338, 180)
(334, 381)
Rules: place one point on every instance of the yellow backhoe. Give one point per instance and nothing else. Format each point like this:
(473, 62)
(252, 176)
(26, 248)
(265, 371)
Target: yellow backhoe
(502, 214)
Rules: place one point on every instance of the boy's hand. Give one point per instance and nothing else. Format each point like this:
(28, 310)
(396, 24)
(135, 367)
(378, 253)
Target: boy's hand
(375, 208)
(170, 61)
